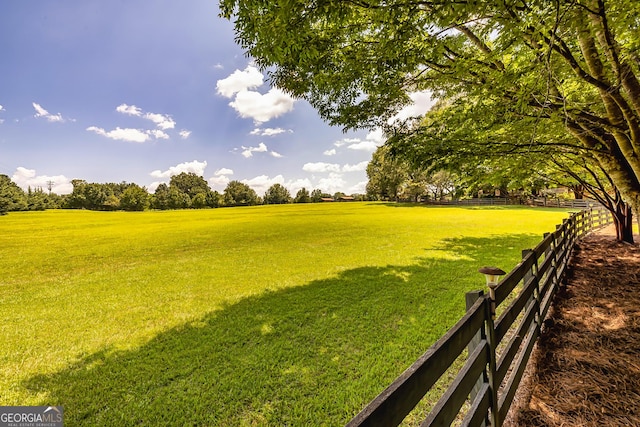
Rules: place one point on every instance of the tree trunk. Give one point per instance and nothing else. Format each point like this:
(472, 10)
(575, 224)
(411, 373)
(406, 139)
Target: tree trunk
(623, 220)
(638, 219)
(578, 191)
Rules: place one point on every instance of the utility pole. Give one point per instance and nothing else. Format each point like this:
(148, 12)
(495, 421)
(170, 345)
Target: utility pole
(50, 185)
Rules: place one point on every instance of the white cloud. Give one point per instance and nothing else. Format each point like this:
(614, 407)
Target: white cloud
(355, 168)
(294, 186)
(158, 134)
(220, 179)
(218, 66)
(2, 108)
(332, 184)
(184, 134)
(248, 151)
(127, 134)
(162, 121)
(219, 182)
(276, 155)
(26, 178)
(251, 104)
(240, 81)
(130, 110)
(377, 136)
(269, 131)
(321, 167)
(262, 108)
(193, 167)
(223, 171)
(262, 183)
(373, 140)
(346, 141)
(365, 145)
(151, 188)
(421, 103)
(41, 112)
(359, 188)
(331, 152)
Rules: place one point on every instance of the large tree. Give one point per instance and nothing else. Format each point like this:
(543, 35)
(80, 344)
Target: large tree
(12, 197)
(276, 194)
(395, 177)
(302, 196)
(569, 65)
(161, 199)
(134, 198)
(317, 195)
(189, 183)
(239, 194)
(386, 174)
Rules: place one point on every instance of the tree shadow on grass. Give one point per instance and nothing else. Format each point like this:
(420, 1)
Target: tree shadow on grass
(309, 355)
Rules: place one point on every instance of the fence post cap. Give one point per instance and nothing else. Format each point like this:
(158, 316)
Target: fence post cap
(492, 275)
(493, 271)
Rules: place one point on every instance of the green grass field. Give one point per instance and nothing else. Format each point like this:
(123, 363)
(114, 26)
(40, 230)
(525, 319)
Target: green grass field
(270, 315)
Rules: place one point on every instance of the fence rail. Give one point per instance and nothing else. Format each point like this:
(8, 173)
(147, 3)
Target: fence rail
(498, 348)
(503, 201)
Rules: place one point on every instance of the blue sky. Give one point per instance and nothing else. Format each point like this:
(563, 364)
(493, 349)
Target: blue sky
(139, 90)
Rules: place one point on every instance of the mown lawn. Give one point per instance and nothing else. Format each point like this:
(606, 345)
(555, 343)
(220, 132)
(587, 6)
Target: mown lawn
(271, 315)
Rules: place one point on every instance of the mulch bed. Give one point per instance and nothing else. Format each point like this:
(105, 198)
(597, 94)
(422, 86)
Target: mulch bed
(586, 368)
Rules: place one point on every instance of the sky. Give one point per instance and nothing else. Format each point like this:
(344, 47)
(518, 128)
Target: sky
(140, 90)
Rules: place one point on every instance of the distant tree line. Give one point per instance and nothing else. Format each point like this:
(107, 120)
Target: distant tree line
(184, 191)
(14, 198)
(396, 177)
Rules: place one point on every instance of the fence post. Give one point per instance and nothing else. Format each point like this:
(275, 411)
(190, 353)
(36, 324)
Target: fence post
(533, 271)
(470, 299)
(552, 251)
(568, 233)
(563, 250)
(493, 381)
(535, 296)
(550, 248)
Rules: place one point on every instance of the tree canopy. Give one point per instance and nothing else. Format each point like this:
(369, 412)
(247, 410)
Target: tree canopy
(14, 198)
(276, 194)
(239, 194)
(189, 183)
(518, 76)
(107, 197)
(302, 196)
(184, 191)
(11, 196)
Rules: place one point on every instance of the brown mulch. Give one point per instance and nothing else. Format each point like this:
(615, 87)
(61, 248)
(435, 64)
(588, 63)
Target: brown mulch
(586, 368)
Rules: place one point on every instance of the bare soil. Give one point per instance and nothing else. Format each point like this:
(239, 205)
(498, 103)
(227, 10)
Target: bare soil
(586, 368)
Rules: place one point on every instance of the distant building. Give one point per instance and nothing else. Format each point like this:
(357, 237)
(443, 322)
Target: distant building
(327, 199)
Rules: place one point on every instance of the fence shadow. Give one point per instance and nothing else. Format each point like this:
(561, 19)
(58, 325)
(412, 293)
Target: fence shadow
(308, 355)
